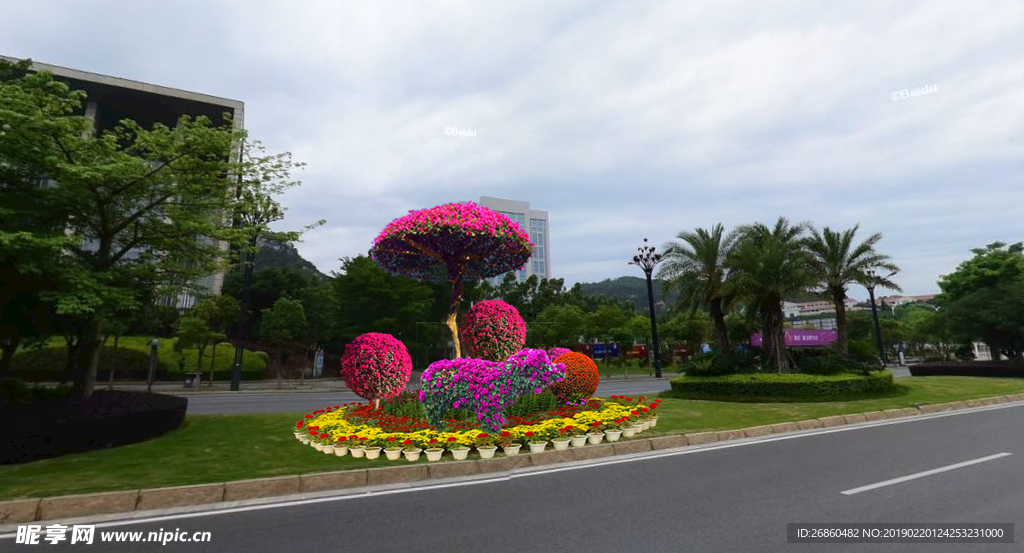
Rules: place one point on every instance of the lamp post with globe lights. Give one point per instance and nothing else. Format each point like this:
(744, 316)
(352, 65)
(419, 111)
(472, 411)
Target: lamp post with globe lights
(647, 259)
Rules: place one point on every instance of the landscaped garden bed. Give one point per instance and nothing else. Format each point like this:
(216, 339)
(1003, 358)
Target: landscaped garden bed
(999, 369)
(360, 430)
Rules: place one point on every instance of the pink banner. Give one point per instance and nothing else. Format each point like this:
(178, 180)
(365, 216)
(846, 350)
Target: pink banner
(802, 338)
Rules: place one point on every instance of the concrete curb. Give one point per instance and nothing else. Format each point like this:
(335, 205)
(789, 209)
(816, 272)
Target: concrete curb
(71, 506)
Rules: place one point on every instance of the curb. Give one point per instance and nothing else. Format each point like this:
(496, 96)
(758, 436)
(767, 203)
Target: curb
(126, 501)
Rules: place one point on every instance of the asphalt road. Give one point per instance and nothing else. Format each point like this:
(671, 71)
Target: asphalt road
(269, 402)
(734, 498)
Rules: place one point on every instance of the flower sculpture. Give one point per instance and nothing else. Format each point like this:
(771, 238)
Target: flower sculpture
(581, 378)
(492, 330)
(376, 366)
(452, 242)
(485, 387)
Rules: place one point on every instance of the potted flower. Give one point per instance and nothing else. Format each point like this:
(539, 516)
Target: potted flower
(508, 443)
(596, 433)
(392, 448)
(412, 453)
(357, 445)
(636, 420)
(459, 451)
(299, 432)
(577, 436)
(341, 446)
(435, 449)
(628, 430)
(561, 443)
(485, 445)
(613, 429)
(654, 413)
(645, 416)
(537, 441)
(371, 448)
(313, 439)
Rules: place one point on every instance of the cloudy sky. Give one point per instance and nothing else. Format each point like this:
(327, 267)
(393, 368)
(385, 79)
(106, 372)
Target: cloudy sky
(624, 120)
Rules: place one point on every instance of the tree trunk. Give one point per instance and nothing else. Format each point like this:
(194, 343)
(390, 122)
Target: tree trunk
(110, 375)
(280, 368)
(199, 360)
(767, 342)
(7, 354)
(842, 332)
(779, 333)
(721, 332)
(72, 342)
(86, 360)
(213, 364)
(453, 313)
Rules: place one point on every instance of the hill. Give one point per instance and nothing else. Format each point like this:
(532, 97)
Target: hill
(280, 254)
(630, 288)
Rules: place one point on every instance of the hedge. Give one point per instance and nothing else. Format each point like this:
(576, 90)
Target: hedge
(1001, 369)
(132, 363)
(49, 428)
(770, 387)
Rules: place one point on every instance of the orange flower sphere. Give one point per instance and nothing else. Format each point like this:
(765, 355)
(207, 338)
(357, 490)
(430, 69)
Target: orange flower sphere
(580, 381)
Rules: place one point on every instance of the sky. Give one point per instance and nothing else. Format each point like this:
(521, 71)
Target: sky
(623, 120)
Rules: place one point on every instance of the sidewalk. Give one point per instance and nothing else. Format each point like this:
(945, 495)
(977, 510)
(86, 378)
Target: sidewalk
(177, 387)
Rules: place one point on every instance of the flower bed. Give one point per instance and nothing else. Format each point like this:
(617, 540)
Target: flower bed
(340, 429)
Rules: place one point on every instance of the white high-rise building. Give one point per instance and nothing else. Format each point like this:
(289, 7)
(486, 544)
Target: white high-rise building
(533, 222)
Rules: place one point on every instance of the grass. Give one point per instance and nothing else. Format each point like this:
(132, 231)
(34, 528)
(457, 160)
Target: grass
(237, 447)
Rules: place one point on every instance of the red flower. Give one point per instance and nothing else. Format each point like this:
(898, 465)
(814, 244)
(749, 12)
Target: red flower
(361, 438)
(309, 416)
(482, 435)
(644, 409)
(407, 442)
(392, 438)
(635, 412)
(433, 440)
(629, 399)
(325, 436)
(353, 437)
(643, 398)
(337, 407)
(312, 432)
(504, 433)
(595, 423)
(452, 438)
(529, 434)
(298, 424)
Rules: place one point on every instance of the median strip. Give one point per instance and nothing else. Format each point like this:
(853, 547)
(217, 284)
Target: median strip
(54, 508)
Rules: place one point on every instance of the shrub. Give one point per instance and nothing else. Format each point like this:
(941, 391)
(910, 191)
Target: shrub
(770, 387)
(492, 330)
(1000, 369)
(720, 364)
(581, 378)
(530, 404)
(376, 366)
(485, 387)
(48, 364)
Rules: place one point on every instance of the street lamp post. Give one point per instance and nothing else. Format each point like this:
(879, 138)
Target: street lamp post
(250, 261)
(870, 285)
(646, 259)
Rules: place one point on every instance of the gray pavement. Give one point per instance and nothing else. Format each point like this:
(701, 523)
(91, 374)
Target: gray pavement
(271, 402)
(735, 498)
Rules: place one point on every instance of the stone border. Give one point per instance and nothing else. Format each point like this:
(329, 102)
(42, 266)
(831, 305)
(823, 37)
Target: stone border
(69, 506)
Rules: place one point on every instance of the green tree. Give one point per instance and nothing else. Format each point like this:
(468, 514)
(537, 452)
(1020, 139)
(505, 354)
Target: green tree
(282, 326)
(320, 304)
(994, 315)
(837, 261)
(995, 264)
(138, 205)
(603, 323)
(696, 267)
(561, 326)
(194, 332)
(769, 265)
(371, 300)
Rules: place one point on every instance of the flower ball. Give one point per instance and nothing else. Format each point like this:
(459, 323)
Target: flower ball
(581, 378)
(376, 366)
(492, 330)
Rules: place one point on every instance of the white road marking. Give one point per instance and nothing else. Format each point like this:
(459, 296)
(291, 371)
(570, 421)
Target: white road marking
(519, 473)
(917, 475)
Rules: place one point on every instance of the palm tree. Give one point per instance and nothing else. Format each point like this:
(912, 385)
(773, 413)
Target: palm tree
(767, 265)
(838, 262)
(696, 267)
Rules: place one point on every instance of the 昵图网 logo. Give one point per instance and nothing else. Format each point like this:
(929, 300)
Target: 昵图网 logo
(907, 93)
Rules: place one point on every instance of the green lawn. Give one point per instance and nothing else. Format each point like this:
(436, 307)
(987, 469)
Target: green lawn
(224, 448)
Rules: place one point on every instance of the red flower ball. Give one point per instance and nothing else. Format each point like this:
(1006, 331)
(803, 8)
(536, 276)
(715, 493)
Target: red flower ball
(581, 378)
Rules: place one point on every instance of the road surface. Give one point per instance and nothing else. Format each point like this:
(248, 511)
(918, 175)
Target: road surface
(269, 402)
(735, 498)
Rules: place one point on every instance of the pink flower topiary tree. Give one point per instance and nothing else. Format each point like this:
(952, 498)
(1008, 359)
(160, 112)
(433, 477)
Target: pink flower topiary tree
(452, 242)
(492, 330)
(376, 366)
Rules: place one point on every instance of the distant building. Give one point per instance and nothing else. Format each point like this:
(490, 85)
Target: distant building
(533, 222)
(792, 310)
(902, 300)
(111, 99)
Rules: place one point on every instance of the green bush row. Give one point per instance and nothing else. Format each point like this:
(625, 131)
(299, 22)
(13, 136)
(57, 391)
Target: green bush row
(131, 363)
(769, 387)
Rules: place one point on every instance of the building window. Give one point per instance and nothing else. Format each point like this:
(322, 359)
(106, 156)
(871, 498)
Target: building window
(538, 267)
(538, 252)
(537, 224)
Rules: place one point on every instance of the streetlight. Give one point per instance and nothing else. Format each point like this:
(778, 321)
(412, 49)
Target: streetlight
(872, 281)
(259, 211)
(646, 259)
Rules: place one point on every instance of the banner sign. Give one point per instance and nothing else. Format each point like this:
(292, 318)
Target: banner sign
(802, 338)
